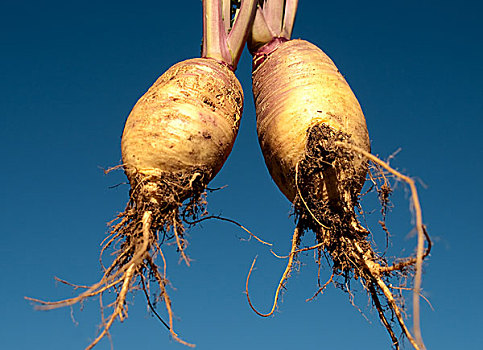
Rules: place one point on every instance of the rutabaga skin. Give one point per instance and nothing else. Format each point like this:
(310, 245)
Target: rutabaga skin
(175, 140)
(295, 87)
(184, 127)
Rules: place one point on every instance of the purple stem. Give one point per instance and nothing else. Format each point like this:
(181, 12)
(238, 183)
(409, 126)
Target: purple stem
(226, 4)
(239, 32)
(274, 20)
(273, 12)
(217, 43)
(289, 18)
(214, 34)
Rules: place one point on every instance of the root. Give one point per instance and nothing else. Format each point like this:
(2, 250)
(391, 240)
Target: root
(422, 235)
(328, 181)
(162, 285)
(322, 288)
(180, 244)
(301, 197)
(159, 201)
(151, 306)
(137, 235)
(119, 310)
(380, 311)
(285, 276)
(217, 217)
(121, 278)
(372, 274)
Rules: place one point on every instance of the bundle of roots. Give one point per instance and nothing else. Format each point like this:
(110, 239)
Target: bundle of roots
(327, 194)
(154, 214)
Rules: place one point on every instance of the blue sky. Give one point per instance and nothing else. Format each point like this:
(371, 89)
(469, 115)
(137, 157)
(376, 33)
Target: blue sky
(71, 72)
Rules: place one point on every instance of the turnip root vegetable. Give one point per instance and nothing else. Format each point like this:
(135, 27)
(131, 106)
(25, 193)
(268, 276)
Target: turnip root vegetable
(175, 140)
(314, 139)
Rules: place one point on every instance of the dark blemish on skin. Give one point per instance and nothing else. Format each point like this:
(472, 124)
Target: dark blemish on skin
(206, 135)
(210, 104)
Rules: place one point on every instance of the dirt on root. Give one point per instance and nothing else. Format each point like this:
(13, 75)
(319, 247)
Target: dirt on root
(328, 191)
(157, 211)
(171, 198)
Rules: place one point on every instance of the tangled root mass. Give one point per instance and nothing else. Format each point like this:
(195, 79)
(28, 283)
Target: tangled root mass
(328, 187)
(170, 199)
(155, 213)
(328, 191)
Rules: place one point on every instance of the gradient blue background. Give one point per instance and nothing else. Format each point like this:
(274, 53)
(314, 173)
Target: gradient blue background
(71, 71)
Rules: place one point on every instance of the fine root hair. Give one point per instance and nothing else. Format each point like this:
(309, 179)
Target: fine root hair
(153, 215)
(328, 188)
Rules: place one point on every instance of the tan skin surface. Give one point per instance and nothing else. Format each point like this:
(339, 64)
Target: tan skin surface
(187, 120)
(295, 87)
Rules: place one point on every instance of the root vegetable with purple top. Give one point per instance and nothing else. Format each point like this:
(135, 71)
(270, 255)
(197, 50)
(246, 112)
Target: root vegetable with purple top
(314, 139)
(175, 140)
